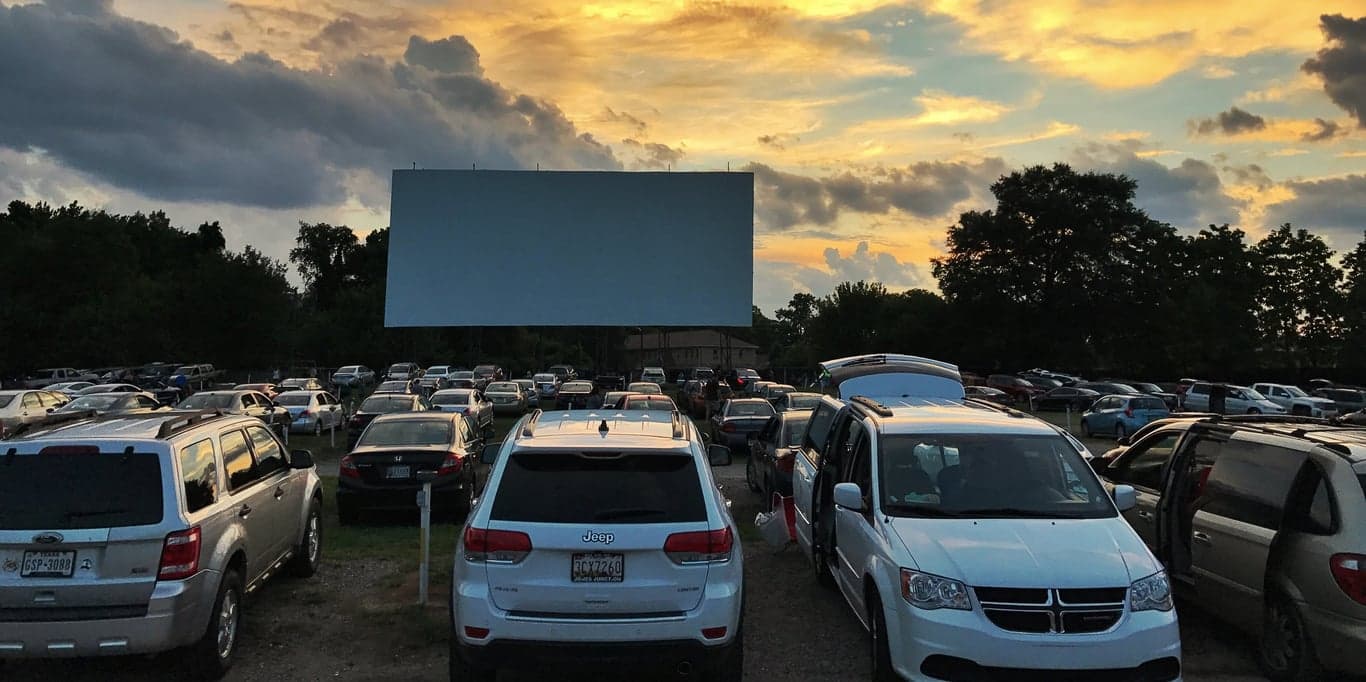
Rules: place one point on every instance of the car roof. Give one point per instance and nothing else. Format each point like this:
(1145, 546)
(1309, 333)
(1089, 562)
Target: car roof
(148, 426)
(947, 415)
(636, 429)
(419, 416)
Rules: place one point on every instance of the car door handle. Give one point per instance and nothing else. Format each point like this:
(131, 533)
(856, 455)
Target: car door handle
(1201, 538)
(244, 511)
(279, 492)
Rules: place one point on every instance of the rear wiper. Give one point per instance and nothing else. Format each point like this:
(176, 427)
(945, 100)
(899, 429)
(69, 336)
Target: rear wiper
(917, 510)
(626, 513)
(1015, 512)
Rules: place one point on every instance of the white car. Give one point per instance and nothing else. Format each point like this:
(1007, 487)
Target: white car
(648, 387)
(602, 541)
(69, 388)
(654, 375)
(533, 396)
(973, 542)
(1295, 401)
(1237, 400)
(312, 411)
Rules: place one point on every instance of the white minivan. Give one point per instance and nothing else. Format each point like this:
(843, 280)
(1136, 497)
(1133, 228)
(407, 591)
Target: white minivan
(972, 541)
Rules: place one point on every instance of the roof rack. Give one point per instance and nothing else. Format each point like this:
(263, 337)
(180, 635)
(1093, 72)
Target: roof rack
(170, 427)
(55, 419)
(530, 424)
(877, 407)
(678, 425)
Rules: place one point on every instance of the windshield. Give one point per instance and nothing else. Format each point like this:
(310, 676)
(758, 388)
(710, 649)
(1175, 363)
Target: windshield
(294, 399)
(501, 387)
(987, 476)
(408, 432)
(383, 404)
(91, 402)
(544, 378)
(1246, 394)
(349, 369)
(750, 410)
(187, 369)
(793, 428)
(203, 401)
(1295, 391)
(451, 398)
(1147, 388)
(398, 368)
(576, 387)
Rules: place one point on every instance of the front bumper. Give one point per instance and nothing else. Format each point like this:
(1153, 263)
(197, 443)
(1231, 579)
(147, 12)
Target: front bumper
(177, 615)
(927, 644)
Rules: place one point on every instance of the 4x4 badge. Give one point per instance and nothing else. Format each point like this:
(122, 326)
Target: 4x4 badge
(48, 538)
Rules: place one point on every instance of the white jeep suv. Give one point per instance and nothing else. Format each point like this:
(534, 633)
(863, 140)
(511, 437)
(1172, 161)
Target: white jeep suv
(973, 542)
(599, 540)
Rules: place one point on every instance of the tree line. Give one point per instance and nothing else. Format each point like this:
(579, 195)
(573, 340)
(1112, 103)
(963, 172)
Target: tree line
(1065, 272)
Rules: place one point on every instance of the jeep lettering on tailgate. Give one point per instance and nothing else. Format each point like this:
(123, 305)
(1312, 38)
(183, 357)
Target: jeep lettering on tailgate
(594, 536)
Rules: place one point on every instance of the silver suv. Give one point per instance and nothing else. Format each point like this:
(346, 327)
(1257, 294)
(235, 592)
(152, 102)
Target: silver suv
(139, 534)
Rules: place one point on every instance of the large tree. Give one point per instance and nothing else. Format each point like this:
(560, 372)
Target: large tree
(1354, 307)
(1215, 305)
(1299, 304)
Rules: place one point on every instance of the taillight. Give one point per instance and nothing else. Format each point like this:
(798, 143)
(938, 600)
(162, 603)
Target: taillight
(348, 468)
(496, 546)
(698, 547)
(1129, 411)
(728, 427)
(1349, 570)
(306, 413)
(179, 555)
(450, 465)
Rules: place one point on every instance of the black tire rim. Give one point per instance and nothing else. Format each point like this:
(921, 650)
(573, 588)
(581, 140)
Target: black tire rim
(228, 614)
(1282, 641)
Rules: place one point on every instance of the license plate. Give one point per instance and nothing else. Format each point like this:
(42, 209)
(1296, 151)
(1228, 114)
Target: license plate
(597, 567)
(48, 565)
(399, 472)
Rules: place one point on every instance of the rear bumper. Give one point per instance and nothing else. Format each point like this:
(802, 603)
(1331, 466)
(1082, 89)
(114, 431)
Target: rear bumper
(1339, 641)
(177, 615)
(656, 659)
(445, 495)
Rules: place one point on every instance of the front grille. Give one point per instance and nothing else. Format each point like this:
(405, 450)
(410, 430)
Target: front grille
(1065, 611)
(71, 613)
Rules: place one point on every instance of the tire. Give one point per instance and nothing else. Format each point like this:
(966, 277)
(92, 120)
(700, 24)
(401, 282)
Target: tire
(1253, 410)
(347, 514)
(750, 473)
(317, 428)
(1085, 428)
(880, 649)
(462, 671)
(1286, 653)
(1120, 431)
(308, 554)
(213, 654)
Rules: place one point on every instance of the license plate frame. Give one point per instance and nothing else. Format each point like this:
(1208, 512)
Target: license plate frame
(30, 570)
(401, 472)
(596, 567)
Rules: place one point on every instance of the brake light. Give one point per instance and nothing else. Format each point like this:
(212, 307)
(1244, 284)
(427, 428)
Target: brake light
(476, 633)
(728, 427)
(450, 465)
(1129, 411)
(496, 546)
(348, 468)
(714, 633)
(306, 413)
(179, 555)
(698, 547)
(1349, 570)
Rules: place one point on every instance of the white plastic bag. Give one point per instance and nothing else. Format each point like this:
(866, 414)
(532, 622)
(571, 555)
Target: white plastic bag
(773, 528)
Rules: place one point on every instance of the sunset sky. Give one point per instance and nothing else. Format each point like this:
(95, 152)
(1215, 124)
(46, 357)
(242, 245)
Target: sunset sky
(869, 124)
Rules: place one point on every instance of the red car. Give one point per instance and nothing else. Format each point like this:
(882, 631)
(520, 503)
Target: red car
(1017, 387)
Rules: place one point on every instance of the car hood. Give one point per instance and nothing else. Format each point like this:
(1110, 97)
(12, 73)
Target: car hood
(1322, 402)
(1028, 552)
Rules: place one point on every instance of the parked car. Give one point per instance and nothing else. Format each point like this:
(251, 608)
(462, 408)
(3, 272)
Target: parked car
(249, 403)
(18, 408)
(196, 377)
(740, 379)
(533, 396)
(94, 389)
(975, 543)
(1149, 388)
(646, 401)
(1237, 400)
(463, 378)
(644, 387)
(1259, 521)
(506, 397)
(467, 401)
(1066, 397)
(701, 373)
(546, 385)
(654, 375)
(1346, 399)
(577, 395)
(1295, 401)
(486, 374)
(757, 388)
(155, 371)
(610, 399)
(774, 391)
(44, 377)
(609, 382)
(1120, 415)
(69, 388)
(563, 372)
(313, 411)
(738, 420)
(353, 376)
(1041, 383)
(988, 393)
(382, 469)
(413, 386)
(1018, 387)
(768, 470)
(643, 530)
(382, 403)
(437, 377)
(1108, 387)
(300, 384)
(107, 403)
(796, 401)
(111, 375)
(145, 492)
(270, 390)
(402, 371)
(693, 396)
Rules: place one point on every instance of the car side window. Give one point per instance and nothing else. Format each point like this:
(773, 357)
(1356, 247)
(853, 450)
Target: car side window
(199, 475)
(817, 432)
(861, 469)
(270, 457)
(1251, 482)
(466, 431)
(237, 461)
(144, 401)
(247, 401)
(31, 401)
(1143, 465)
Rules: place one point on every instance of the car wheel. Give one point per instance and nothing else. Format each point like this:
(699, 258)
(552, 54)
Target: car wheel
(1286, 653)
(317, 428)
(1253, 410)
(750, 474)
(880, 648)
(1119, 430)
(462, 671)
(347, 514)
(308, 554)
(213, 654)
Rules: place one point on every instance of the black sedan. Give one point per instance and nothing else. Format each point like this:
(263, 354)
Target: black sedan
(578, 395)
(382, 403)
(769, 469)
(381, 471)
(1066, 397)
(738, 420)
(988, 393)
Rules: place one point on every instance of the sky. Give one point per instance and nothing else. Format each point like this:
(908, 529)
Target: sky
(869, 125)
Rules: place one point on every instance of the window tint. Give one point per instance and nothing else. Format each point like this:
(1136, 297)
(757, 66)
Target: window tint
(237, 462)
(408, 432)
(1144, 468)
(68, 491)
(1250, 483)
(199, 474)
(818, 432)
(466, 430)
(862, 470)
(270, 457)
(1199, 389)
(563, 487)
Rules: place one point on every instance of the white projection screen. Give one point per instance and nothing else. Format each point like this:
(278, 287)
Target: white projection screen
(570, 248)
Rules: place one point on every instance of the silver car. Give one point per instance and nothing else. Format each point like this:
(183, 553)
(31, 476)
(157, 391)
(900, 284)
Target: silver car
(312, 411)
(533, 396)
(506, 397)
(137, 535)
(1237, 400)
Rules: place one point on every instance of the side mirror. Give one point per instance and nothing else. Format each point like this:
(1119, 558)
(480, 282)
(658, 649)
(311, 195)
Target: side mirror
(489, 455)
(849, 496)
(1125, 497)
(718, 455)
(300, 459)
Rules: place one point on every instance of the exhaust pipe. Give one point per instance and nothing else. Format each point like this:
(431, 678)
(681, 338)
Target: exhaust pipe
(684, 669)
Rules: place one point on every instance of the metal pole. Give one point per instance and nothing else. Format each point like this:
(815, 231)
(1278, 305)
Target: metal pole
(1069, 418)
(425, 503)
(332, 432)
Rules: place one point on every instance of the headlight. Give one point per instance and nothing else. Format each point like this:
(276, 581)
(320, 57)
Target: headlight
(1152, 593)
(927, 591)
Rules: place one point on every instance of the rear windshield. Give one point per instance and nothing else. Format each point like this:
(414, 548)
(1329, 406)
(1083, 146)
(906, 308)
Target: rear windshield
(201, 401)
(398, 368)
(70, 491)
(559, 487)
(408, 432)
(750, 410)
(576, 387)
(660, 403)
(452, 398)
(803, 402)
(501, 387)
(383, 404)
(295, 399)
(393, 386)
(544, 378)
(462, 375)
